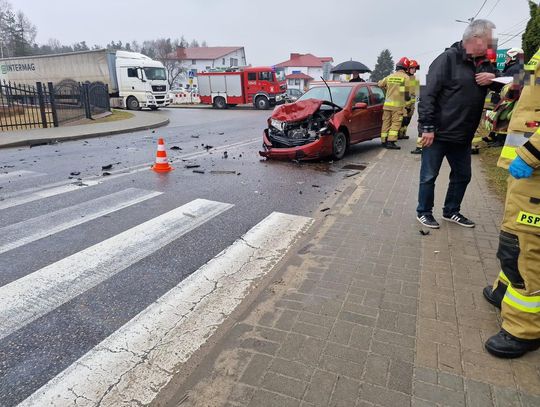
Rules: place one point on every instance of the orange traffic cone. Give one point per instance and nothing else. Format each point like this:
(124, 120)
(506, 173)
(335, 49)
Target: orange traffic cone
(162, 164)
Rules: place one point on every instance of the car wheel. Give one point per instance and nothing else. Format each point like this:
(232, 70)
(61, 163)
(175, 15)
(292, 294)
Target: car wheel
(132, 103)
(339, 145)
(220, 103)
(262, 103)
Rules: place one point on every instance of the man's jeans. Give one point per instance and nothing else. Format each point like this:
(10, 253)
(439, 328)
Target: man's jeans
(459, 158)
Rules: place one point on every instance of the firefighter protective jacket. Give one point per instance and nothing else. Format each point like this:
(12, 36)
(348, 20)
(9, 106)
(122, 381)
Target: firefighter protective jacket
(396, 86)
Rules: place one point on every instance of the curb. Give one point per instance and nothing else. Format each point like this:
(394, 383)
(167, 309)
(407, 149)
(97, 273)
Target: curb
(28, 142)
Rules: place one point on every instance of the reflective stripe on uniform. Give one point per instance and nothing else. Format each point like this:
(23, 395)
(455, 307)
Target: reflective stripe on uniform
(393, 133)
(535, 60)
(503, 278)
(512, 143)
(530, 304)
(391, 103)
(396, 80)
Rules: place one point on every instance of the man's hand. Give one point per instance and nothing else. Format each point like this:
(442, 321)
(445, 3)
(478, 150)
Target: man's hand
(484, 78)
(427, 139)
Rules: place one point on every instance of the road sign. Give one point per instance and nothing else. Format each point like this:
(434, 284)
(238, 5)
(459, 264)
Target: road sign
(191, 81)
(501, 57)
(191, 73)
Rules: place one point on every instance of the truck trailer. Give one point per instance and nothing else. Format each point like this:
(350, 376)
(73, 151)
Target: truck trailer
(257, 85)
(134, 80)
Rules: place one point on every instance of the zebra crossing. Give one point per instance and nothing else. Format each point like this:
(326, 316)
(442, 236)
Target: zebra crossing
(139, 358)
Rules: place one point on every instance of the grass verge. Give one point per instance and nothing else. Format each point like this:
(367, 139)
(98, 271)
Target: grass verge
(115, 116)
(496, 177)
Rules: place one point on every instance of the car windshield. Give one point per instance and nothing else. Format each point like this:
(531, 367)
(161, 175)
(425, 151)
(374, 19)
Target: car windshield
(340, 94)
(155, 74)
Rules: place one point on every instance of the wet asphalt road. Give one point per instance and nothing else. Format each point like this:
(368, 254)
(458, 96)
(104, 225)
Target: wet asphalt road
(32, 355)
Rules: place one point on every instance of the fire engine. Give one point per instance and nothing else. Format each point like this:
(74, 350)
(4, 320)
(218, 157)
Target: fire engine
(258, 85)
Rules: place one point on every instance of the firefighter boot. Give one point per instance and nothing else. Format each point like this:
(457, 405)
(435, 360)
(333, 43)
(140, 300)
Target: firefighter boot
(391, 145)
(504, 345)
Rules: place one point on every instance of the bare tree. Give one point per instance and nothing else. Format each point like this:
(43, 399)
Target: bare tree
(165, 52)
(204, 44)
(194, 44)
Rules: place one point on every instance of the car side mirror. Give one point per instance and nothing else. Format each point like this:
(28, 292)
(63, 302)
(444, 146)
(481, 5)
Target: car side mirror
(360, 105)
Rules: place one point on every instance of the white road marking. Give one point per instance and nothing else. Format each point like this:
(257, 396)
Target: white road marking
(34, 295)
(18, 175)
(30, 230)
(134, 363)
(58, 188)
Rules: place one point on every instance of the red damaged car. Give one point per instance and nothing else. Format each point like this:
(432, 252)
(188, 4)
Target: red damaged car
(324, 122)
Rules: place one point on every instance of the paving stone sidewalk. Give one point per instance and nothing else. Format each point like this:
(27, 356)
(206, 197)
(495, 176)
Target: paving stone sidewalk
(371, 313)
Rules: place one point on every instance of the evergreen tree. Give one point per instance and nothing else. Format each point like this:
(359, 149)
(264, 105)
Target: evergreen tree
(531, 36)
(383, 67)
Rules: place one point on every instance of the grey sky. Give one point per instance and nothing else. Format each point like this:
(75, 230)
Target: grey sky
(270, 30)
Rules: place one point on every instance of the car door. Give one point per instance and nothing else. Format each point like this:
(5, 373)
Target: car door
(360, 121)
(377, 103)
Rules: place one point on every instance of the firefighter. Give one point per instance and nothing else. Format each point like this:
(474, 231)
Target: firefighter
(514, 62)
(408, 111)
(517, 288)
(396, 86)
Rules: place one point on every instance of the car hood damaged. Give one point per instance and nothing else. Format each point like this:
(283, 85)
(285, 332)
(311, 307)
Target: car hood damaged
(300, 123)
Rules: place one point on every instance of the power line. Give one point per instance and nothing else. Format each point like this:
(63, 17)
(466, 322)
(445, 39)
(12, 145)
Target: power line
(493, 8)
(481, 7)
(511, 38)
(515, 25)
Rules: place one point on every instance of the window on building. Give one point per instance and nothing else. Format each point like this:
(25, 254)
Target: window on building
(297, 82)
(252, 76)
(223, 61)
(266, 76)
(132, 73)
(193, 62)
(234, 62)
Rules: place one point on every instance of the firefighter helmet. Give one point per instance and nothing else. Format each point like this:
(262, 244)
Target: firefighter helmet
(414, 64)
(514, 53)
(403, 63)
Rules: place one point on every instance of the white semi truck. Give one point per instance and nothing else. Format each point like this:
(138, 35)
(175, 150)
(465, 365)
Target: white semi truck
(135, 80)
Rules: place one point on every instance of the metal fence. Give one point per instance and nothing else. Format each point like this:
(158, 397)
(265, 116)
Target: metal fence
(47, 105)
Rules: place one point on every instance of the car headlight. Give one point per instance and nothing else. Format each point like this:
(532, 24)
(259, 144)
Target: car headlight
(277, 124)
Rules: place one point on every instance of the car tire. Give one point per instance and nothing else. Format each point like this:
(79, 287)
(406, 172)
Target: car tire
(262, 103)
(339, 145)
(132, 103)
(220, 103)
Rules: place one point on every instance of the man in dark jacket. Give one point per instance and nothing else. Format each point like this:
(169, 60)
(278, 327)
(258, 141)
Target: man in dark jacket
(449, 112)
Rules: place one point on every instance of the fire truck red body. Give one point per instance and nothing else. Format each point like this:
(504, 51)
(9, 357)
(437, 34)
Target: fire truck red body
(259, 86)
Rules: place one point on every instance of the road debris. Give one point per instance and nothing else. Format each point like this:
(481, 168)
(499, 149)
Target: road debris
(424, 232)
(316, 186)
(106, 174)
(219, 172)
(176, 148)
(106, 167)
(207, 147)
(198, 171)
(75, 173)
(194, 136)
(225, 155)
(325, 209)
(189, 166)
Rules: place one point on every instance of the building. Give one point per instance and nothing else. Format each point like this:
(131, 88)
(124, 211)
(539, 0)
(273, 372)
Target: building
(301, 69)
(204, 58)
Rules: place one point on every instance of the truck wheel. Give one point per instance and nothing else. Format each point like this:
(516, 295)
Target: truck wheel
(339, 145)
(220, 103)
(262, 103)
(132, 103)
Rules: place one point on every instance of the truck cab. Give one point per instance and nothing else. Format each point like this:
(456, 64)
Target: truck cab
(142, 82)
(264, 87)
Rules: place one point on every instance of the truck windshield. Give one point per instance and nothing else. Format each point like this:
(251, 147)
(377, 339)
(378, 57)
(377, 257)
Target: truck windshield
(155, 74)
(280, 76)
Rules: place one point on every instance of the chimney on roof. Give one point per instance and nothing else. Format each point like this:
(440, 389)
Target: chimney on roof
(295, 55)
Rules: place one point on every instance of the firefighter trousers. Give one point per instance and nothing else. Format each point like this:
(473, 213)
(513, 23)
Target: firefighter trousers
(408, 113)
(519, 256)
(391, 123)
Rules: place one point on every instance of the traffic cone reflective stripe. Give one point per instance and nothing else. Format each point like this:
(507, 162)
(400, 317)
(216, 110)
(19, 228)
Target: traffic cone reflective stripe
(162, 164)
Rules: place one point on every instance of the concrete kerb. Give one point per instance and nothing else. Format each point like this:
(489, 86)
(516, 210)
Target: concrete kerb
(27, 139)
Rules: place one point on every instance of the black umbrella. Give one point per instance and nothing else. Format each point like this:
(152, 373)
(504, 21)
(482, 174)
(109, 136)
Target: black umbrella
(350, 66)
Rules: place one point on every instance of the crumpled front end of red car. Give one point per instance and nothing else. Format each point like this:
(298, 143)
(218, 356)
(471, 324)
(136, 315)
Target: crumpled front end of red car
(299, 131)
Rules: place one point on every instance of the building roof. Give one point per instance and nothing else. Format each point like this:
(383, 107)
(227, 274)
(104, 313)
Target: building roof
(307, 60)
(210, 53)
(299, 76)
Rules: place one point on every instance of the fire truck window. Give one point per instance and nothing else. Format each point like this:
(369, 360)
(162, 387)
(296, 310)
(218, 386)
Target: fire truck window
(132, 73)
(265, 76)
(252, 76)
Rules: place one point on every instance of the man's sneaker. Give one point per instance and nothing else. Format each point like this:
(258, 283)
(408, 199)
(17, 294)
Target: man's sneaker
(459, 219)
(417, 150)
(428, 221)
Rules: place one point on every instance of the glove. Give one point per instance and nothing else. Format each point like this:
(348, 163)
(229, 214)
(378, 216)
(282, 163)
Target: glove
(520, 169)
